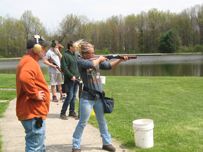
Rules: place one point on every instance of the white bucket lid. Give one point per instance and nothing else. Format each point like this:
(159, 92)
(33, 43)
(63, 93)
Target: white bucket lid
(142, 121)
(143, 124)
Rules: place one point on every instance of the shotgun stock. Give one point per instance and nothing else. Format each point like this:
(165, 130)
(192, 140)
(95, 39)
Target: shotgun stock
(56, 65)
(78, 81)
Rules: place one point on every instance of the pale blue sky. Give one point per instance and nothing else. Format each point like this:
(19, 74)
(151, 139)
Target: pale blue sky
(51, 12)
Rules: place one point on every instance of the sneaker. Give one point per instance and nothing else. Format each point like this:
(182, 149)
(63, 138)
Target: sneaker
(109, 148)
(63, 116)
(73, 114)
(76, 150)
(63, 96)
(55, 99)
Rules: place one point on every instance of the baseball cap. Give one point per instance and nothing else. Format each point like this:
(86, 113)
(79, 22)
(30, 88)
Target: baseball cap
(37, 39)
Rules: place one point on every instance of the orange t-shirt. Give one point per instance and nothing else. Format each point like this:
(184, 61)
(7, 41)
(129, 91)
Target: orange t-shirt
(30, 80)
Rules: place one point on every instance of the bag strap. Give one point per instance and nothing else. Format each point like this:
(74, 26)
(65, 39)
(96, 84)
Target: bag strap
(94, 92)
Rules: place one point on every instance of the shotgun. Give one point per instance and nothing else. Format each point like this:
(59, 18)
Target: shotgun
(79, 95)
(55, 64)
(117, 56)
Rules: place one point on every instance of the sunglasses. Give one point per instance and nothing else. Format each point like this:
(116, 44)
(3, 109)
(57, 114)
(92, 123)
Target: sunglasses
(91, 53)
(44, 47)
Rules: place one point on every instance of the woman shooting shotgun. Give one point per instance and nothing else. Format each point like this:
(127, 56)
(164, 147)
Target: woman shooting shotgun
(90, 74)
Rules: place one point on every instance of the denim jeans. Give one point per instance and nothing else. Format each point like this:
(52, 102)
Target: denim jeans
(85, 111)
(35, 137)
(71, 97)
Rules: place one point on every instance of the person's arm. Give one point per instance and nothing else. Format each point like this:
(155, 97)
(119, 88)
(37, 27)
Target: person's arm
(115, 63)
(64, 66)
(27, 78)
(45, 61)
(100, 59)
(59, 53)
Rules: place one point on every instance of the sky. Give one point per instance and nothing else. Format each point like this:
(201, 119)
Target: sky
(52, 12)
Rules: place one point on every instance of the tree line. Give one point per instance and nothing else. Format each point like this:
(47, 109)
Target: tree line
(148, 32)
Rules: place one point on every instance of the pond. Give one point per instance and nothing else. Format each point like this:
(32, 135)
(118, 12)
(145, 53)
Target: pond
(144, 65)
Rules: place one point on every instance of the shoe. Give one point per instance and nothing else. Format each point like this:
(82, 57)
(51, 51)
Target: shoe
(109, 148)
(63, 96)
(76, 150)
(55, 99)
(63, 116)
(73, 114)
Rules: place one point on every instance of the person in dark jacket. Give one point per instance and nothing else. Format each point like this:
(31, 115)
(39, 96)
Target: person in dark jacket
(71, 73)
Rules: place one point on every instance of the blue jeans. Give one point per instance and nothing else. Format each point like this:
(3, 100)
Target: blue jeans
(35, 137)
(71, 97)
(85, 111)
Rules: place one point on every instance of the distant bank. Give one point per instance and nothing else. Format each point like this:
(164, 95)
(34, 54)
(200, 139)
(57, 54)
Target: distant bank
(152, 54)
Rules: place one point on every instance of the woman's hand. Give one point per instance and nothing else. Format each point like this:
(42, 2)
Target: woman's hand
(125, 58)
(102, 58)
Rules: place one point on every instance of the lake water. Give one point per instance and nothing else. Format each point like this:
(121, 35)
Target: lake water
(164, 65)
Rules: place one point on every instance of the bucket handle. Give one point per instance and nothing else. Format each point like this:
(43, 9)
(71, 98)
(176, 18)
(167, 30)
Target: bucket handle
(136, 130)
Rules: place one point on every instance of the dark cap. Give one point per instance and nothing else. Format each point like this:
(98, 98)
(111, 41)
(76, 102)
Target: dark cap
(37, 39)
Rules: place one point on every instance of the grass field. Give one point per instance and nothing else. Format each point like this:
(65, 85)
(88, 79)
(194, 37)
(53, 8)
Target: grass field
(173, 103)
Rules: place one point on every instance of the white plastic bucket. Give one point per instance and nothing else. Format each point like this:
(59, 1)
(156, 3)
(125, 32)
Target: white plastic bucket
(103, 79)
(143, 132)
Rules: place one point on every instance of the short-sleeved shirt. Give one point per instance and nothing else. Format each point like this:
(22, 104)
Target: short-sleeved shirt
(53, 55)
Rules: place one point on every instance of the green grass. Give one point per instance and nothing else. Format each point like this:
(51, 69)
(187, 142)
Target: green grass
(173, 103)
(8, 81)
(3, 107)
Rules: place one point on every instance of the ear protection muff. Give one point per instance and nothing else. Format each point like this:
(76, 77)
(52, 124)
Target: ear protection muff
(54, 43)
(37, 48)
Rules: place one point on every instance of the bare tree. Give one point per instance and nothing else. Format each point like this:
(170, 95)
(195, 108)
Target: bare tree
(68, 27)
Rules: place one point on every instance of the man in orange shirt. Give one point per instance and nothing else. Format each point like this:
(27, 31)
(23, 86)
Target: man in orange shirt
(33, 96)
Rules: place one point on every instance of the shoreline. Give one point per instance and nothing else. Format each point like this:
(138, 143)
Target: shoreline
(151, 54)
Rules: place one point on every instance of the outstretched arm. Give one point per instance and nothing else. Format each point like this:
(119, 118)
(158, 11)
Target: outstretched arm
(115, 63)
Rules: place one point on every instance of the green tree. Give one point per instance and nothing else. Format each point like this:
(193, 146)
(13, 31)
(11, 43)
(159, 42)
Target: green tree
(113, 24)
(104, 37)
(31, 24)
(141, 29)
(130, 34)
(83, 29)
(200, 23)
(153, 24)
(68, 28)
(169, 42)
(12, 40)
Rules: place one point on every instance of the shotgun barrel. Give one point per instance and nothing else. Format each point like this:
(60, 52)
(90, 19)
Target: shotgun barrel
(117, 56)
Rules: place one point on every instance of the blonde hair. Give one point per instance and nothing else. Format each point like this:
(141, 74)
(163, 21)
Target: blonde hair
(82, 46)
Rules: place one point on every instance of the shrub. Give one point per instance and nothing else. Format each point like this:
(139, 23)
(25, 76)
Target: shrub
(105, 51)
(198, 48)
(185, 49)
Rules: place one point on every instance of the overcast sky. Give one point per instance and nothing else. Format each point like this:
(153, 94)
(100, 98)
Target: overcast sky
(51, 12)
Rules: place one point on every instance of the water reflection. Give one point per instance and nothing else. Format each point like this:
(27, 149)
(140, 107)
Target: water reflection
(170, 65)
